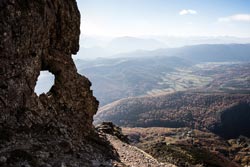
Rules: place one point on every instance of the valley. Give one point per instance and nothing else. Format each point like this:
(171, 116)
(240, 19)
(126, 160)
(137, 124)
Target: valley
(213, 76)
(130, 77)
(188, 112)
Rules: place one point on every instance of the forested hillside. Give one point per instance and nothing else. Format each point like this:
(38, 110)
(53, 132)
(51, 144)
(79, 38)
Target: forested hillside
(199, 110)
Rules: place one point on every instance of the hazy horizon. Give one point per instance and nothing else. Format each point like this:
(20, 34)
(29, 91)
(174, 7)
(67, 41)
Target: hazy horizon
(112, 27)
(92, 47)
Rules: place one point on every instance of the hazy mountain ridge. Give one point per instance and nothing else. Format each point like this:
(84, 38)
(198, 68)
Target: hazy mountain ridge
(201, 53)
(165, 70)
(93, 47)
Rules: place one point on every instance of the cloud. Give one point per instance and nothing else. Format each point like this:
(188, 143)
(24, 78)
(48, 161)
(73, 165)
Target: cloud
(187, 11)
(236, 17)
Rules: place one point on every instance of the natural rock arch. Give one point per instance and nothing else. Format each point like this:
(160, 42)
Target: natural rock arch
(35, 36)
(53, 129)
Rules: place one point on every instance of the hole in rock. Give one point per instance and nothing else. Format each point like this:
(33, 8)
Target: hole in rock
(44, 82)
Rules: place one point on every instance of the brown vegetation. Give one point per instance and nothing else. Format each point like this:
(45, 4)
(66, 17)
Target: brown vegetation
(188, 147)
(199, 110)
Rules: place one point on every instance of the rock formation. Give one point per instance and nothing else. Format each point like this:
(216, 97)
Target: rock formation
(54, 129)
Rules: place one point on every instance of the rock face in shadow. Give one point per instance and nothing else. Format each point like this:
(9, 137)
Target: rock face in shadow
(35, 36)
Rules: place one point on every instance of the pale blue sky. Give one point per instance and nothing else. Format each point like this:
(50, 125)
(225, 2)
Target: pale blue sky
(165, 17)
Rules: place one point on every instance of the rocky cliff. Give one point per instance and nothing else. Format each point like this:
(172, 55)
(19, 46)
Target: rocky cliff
(53, 129)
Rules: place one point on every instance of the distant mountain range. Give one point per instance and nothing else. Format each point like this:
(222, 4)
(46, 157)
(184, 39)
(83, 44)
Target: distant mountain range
(94, 46)
(201, 53)
(112, 47)
(141, 73)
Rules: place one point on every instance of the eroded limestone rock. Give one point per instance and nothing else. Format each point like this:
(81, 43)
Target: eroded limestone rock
(54, 128)
(41, 35)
